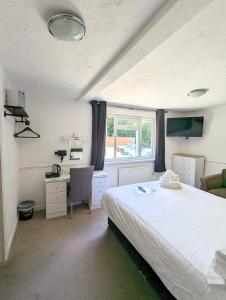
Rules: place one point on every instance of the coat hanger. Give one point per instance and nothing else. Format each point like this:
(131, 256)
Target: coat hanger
(27, 129)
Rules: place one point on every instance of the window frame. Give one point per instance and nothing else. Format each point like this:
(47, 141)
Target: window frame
(140, 120)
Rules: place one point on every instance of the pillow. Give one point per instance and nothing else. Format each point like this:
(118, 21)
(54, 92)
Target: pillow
(224, 177)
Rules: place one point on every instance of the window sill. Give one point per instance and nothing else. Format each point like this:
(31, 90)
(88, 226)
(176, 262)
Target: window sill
(127, 161)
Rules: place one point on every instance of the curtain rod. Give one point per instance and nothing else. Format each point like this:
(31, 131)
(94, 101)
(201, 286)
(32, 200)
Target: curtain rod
(126, 106)
(110, 104)
(119, 105)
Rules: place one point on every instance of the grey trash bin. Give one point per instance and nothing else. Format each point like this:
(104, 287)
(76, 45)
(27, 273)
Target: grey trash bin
(25, 209)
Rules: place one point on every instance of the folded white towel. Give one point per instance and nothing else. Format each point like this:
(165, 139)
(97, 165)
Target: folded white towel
(220, 262)
(171, 185)
(170, 180)
(169, 176)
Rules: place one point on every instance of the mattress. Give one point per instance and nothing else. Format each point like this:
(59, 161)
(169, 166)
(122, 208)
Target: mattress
(177, 232)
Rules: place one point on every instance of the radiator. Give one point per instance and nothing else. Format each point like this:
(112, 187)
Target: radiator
(132, 175)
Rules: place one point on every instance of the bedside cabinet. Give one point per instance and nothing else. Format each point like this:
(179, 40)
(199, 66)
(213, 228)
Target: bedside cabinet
(56, 198)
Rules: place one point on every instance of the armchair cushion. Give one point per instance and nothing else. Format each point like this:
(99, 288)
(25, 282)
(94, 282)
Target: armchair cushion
(219, 192)
(215, 182)
(224, 177)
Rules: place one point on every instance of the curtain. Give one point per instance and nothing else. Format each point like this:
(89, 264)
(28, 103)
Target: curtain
(160, 141)
(98, 134)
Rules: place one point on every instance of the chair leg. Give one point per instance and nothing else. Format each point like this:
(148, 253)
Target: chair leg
(71, 211)
(89, 204)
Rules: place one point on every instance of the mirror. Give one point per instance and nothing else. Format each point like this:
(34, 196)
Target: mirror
(75, 149)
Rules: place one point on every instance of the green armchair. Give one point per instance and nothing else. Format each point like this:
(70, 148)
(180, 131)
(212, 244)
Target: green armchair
(215, 184)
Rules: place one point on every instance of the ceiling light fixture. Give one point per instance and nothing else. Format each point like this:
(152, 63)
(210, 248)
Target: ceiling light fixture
(66, 27)
(197, 92)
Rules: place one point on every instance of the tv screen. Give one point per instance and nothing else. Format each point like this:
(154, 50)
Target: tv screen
(186, 127)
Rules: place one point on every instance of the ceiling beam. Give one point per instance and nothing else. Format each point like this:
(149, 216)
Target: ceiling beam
(169, 19)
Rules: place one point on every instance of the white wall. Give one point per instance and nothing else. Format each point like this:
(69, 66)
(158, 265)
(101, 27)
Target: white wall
(213, 142)
(9, 171)
(54, 118)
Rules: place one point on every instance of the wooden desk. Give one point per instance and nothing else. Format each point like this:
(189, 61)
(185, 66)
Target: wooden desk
(56, 193)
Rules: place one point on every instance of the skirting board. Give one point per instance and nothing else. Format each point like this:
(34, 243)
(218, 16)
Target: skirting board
(8, 247)
(142, 265)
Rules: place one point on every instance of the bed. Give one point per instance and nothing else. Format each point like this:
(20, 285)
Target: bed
(177, 232)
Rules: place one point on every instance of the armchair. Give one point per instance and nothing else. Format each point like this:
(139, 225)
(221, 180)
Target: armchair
(215, 184)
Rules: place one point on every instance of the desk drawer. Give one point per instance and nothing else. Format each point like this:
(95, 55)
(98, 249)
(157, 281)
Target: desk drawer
(56, 208)
(55, 197)
(96, 197)
(53, 187)
(98, 189)
(99, 181)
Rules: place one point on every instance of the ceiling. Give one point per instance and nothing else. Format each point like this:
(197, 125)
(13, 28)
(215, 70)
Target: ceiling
(149, 52)
(38, 62)
(193, 57)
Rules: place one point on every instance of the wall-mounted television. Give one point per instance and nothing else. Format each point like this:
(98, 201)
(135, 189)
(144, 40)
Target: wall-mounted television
(185, 127)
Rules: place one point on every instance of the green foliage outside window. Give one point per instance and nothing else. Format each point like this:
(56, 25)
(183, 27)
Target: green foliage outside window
(110, 126)
(146, 133)
(126, 133)
(146, 130)
(137, 128)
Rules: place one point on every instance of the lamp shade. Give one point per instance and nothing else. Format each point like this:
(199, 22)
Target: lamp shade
(66, 27)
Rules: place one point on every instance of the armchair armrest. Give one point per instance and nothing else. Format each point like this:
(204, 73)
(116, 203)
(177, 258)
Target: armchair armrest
(204, 185)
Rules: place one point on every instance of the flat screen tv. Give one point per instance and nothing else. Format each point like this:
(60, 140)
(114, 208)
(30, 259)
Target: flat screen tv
(185, 127)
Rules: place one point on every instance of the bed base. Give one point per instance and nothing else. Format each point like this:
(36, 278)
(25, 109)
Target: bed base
(142, 265)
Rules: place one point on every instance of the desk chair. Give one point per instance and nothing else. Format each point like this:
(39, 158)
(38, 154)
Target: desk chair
(80, 186)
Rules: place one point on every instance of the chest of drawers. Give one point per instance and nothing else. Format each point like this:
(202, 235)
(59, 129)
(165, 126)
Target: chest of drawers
(99, 186)
(189, 168)
(56, 199)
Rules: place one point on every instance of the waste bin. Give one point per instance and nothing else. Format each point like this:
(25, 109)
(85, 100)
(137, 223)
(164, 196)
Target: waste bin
(25, 209)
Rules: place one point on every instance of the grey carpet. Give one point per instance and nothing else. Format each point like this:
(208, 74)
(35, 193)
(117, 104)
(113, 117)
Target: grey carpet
(78, 258)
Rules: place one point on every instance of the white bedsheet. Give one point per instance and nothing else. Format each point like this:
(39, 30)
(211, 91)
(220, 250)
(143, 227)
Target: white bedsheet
(177, 232)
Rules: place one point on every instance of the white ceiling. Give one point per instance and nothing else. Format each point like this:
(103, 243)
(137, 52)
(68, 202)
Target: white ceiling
(147, 52)
(38, 62)
(193, 57)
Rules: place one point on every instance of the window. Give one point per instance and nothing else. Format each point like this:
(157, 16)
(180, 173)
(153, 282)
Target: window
(129, 137)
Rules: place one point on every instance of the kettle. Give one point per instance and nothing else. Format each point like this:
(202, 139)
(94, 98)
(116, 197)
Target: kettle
(56, 170)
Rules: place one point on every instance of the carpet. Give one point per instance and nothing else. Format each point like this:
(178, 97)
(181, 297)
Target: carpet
(71, 259)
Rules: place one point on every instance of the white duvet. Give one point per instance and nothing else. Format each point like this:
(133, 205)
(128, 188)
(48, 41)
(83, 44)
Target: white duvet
(177, 232)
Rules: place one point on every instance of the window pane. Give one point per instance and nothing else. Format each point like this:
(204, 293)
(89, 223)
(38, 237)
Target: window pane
(110, 126)
(109, 150)
(126, 143)
(128, 137)
(127, 122)
(146, 139)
